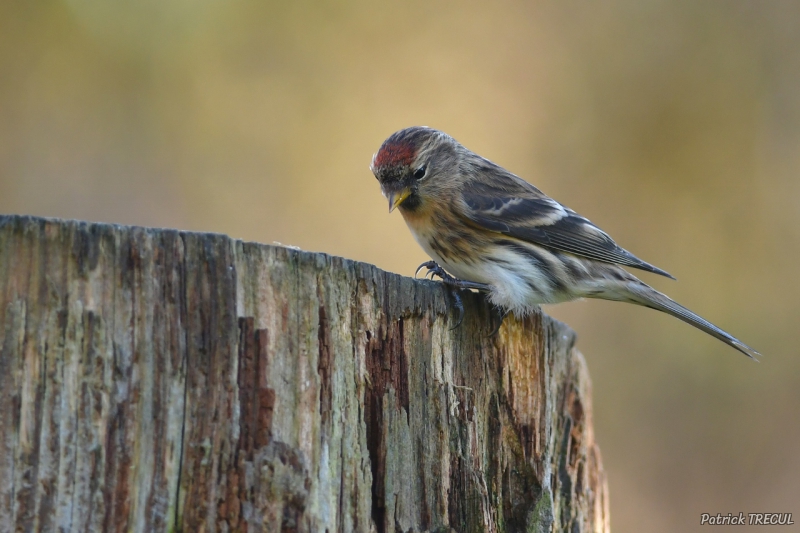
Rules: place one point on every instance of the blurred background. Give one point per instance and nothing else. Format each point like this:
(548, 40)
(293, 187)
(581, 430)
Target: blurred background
(673, 125)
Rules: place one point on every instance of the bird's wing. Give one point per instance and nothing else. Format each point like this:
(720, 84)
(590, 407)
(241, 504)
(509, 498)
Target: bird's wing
(513, 207)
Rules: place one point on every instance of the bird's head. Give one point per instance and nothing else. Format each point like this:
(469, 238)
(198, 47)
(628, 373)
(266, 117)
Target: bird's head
(408, 163)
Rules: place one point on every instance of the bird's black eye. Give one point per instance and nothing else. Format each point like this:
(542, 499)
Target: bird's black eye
(420, 173)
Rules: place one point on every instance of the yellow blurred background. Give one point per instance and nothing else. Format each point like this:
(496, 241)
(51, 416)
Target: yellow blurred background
(673, 125)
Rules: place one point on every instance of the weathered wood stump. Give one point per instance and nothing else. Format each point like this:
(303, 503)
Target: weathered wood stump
(156, 380)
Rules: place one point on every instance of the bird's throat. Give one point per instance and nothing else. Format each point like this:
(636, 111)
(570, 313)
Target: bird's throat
(411, 204)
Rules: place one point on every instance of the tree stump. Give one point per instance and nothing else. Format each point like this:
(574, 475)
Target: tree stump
(155, 380)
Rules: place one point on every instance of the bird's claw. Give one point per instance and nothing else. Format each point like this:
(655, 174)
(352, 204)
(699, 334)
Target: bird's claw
(430, 265)
(459, 305)
(503, 316)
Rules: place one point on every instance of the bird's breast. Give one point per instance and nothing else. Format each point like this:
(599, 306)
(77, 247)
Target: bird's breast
(457, 247)
(521, 276)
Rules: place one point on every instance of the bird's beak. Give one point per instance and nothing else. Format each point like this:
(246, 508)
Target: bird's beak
(398, 197)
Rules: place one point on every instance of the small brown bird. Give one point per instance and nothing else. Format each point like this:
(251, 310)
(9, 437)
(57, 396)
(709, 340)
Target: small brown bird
(496, 232)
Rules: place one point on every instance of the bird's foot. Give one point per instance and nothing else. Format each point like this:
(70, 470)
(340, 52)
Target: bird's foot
(455, 284)
(435, 270)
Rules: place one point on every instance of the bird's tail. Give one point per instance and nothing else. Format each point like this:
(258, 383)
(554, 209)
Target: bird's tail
(642, 294)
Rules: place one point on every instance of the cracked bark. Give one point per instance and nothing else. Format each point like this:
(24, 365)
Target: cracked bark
(156, 380)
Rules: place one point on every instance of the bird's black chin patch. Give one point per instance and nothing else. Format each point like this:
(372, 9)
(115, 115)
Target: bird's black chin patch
(412, 203)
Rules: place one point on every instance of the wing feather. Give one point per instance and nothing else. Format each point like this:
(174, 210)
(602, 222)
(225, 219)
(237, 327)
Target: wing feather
(514, 207)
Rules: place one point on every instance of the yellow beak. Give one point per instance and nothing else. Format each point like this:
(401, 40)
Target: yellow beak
(397, 198)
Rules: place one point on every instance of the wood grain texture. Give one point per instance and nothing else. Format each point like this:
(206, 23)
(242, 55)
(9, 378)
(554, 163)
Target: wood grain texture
(156, 380)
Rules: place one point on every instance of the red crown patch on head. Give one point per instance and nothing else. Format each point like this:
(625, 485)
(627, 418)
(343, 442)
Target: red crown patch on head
(393, 154)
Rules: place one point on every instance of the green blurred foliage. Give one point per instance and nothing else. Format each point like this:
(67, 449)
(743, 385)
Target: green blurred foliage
(675, 126)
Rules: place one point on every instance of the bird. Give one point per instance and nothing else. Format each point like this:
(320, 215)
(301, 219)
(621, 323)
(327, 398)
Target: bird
(486, 228)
